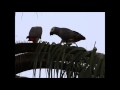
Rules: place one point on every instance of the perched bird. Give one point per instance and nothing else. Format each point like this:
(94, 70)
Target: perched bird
(35, 34)
(67, 35)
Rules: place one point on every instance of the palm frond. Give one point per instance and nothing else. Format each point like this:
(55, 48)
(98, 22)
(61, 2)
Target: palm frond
(74, 62)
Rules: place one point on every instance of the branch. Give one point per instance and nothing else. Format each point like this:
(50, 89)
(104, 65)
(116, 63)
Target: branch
(25, 62)
(31, 47)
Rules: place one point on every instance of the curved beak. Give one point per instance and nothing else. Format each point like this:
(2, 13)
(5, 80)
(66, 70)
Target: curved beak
(27, 37)
(51, 33)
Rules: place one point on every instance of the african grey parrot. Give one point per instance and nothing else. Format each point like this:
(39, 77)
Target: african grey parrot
(35, 34)
(67, 35)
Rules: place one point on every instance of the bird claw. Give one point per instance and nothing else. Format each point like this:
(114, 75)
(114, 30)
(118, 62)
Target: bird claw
(45, 42)
(60, 43)
(53, 43)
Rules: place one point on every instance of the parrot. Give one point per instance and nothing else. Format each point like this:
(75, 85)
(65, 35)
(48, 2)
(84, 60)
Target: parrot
(35, 34)
(67, 35)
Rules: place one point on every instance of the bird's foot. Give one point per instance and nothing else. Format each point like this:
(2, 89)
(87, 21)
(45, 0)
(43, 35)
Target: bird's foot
(53, 43)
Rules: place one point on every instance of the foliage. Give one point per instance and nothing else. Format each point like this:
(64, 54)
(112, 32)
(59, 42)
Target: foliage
(73, 62)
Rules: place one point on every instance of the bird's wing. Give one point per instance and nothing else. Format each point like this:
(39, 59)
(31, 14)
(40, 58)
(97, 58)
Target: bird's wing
(66, 34)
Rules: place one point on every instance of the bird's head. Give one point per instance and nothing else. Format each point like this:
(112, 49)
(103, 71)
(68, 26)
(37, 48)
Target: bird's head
(52, 31)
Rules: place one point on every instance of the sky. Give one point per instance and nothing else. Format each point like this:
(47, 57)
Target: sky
(89, 24)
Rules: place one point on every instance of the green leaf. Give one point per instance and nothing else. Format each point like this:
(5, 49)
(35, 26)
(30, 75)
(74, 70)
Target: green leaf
(37, 53)
(102, 71)
(63, 58)
(42, 57)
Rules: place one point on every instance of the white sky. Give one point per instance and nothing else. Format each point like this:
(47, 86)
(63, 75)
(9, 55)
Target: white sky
(89, 24)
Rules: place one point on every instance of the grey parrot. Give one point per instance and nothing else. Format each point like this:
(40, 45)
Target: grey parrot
(67, 35)
(35, 34)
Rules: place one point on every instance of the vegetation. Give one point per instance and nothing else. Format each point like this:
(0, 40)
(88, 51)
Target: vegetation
(74, 62)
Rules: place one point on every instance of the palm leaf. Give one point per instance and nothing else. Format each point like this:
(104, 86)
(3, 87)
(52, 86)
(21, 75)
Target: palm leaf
(74, 62)
(37, 56)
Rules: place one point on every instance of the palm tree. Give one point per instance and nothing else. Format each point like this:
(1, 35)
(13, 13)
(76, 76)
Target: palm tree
(74, 62)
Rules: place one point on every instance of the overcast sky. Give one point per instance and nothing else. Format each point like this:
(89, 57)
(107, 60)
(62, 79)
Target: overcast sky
(89, 24)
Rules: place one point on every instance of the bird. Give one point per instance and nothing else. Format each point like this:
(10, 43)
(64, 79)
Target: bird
(67, 35)
(35, 34)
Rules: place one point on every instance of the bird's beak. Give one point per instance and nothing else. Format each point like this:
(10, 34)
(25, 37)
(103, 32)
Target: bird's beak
(51, 33)
(27, 37)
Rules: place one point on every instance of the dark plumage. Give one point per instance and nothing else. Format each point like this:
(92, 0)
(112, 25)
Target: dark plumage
(67, 35)
(35, 34)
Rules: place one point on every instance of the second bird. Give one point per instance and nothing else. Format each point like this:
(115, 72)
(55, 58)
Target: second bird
(35, 34)
(67, 35)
